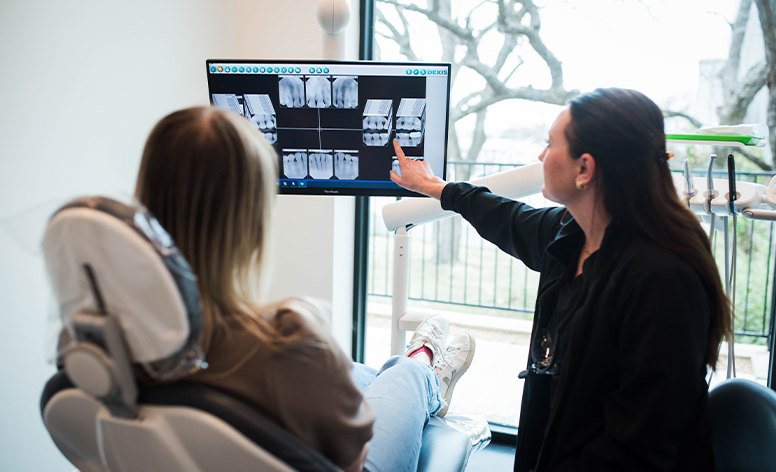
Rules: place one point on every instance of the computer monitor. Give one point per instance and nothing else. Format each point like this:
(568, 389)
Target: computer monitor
(333, 123)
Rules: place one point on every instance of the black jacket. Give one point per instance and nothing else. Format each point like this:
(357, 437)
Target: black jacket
(631, 394)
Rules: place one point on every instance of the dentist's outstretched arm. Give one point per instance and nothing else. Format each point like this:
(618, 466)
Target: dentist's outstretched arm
(416, 175)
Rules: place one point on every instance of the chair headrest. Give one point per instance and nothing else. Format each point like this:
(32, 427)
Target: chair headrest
(142, 278)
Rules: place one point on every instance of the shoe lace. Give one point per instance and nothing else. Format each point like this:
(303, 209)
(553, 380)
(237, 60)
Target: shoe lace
(431, 336)
(442, 359)
(436, 331)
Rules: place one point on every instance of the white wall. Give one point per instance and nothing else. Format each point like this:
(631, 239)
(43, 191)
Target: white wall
(82, 84)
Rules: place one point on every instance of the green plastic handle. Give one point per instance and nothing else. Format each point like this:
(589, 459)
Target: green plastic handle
(716, 138)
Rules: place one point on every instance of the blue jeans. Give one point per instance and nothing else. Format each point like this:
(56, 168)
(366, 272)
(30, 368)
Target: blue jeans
(403, 394)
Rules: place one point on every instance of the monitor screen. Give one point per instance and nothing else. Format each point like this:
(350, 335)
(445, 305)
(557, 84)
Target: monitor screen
(332, 123)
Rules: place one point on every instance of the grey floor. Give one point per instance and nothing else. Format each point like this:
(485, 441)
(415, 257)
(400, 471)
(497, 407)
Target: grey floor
(494, 458)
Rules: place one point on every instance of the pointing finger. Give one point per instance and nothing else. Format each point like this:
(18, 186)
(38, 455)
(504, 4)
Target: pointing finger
(399, 152)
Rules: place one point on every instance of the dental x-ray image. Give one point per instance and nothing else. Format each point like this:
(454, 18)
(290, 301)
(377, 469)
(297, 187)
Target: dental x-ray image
(378, 121)
(318, 92)
(410, 121)
(291, 91)
(346, 165)
(229, 101)
(260, 112)
(295, 163)
(321, 164)
(257, 108)
(395, 162)
(345, 92)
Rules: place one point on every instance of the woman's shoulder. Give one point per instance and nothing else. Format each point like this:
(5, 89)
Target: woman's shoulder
(300, 314)
(644, 256)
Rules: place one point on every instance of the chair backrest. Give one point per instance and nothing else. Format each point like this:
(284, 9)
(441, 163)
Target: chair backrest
(743, 425)
(129, 302)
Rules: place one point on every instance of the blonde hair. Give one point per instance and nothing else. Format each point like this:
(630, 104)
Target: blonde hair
(210, 178)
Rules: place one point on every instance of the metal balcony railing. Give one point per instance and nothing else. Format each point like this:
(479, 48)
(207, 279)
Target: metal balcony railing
(451, 264)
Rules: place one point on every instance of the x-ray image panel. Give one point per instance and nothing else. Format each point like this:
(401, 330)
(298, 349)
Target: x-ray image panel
(411, 121)
(321, 164)
(378, 121)
(291, 91)
(295, 163)
(318, 92)
(345, 92)
(346, 165)
(229, 101)
(395, 162)
(259, 110)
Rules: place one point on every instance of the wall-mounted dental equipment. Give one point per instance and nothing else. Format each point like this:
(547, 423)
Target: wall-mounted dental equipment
(750, 199)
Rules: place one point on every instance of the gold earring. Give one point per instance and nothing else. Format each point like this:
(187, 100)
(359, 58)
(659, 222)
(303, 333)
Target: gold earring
(579, 185)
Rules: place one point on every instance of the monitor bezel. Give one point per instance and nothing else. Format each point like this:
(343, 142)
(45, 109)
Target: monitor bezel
(392, 191)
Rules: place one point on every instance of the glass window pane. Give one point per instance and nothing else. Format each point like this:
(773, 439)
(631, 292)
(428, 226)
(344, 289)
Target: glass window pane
(515, 64)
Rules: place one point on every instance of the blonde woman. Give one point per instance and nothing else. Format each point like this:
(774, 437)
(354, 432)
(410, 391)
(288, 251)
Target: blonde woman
(209, 177)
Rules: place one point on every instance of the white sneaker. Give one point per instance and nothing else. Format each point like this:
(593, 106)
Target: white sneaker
(452, 364)
(432, 333)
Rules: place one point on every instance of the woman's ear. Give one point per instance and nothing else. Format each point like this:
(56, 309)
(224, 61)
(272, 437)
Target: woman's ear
(586, 168)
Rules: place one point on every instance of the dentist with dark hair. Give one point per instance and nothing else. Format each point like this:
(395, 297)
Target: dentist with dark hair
(630, 311)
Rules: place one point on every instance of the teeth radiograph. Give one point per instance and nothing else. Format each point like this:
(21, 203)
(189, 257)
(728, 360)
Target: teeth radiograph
(321, 164)
(295, 163)
(346, 165)
(410, 121)
(259, 110)
(318, 92)
(378, 121)
(291, 91)
(395, 162)
(229, 101)
(345, 91)
(256, 107)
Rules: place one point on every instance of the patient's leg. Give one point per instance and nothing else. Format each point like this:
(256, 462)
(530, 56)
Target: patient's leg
(403, 395)
(363, 376)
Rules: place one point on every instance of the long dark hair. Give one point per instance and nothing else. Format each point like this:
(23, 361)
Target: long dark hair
(624, 132)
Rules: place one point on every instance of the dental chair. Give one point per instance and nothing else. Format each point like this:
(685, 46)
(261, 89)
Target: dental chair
(131, 318)
(743, 426)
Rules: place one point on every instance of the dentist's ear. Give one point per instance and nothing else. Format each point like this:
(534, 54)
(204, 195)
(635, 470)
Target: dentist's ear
(586, 168)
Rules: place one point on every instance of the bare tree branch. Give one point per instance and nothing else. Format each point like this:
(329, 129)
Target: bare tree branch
(680, 114)
(401, 38)
(433, 16)
(479, 136)
(738, 31)
(559, 97)
(512, 22)
(764, 165)
(734, 109)
(767, 13)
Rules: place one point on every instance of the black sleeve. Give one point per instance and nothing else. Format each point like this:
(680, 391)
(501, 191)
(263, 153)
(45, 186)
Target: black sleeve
(516, 228)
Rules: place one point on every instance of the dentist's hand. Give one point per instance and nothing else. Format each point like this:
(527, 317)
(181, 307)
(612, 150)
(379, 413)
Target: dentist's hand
(416, 175)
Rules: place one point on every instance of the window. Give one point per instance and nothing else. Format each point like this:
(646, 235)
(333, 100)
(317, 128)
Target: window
(515, 64)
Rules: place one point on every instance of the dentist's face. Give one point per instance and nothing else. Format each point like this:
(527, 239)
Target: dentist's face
(560, 169)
